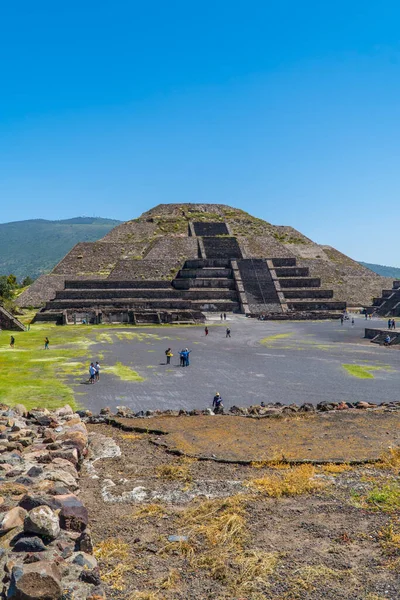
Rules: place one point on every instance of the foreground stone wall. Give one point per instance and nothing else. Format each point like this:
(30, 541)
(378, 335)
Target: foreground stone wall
(45, 544)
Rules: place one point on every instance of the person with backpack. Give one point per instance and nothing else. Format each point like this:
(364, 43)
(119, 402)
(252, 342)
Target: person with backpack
(168, 354)
(46, 343)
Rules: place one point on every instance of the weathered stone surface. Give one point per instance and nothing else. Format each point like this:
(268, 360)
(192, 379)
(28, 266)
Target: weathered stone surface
(64, 411)
(30, 501)
(43, 521)
(13, 518)
(20, 410)
(84, 560)
(37, 581)
(35, 471)
(91, 576)
(73, 514)
(84, 542)
(31, 543)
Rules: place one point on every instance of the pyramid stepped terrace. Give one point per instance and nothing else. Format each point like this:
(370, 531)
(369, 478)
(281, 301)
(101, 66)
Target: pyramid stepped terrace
(177, 262)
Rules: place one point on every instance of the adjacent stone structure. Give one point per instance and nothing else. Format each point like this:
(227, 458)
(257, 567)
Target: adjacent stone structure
(388, 304)
(197, 258)
(9, 321)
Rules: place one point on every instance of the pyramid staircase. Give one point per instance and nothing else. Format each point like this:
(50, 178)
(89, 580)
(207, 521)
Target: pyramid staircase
(388, 305)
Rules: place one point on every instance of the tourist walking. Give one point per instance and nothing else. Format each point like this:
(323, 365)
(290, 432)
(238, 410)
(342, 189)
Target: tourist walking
(366, 315)
(228, 332)
(46, 343)
(390, 324)
(393, 324)
(224, 316)
(12, 341)
(221, 316)
(97, 369)
(352, 321)
(206, 331)
(92, 373)
(182, 357)
(341, 319)
(168, 354)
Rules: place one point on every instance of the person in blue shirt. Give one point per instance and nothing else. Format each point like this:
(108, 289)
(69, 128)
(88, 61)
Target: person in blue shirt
(186, 357)
(217, 404)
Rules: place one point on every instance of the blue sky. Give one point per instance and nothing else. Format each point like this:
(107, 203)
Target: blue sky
(289, 110)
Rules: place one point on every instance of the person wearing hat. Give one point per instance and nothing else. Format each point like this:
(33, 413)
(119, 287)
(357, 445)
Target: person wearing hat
(217, 403)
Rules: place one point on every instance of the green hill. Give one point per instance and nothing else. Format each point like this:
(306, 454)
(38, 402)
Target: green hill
(383, 270)
(34, 247)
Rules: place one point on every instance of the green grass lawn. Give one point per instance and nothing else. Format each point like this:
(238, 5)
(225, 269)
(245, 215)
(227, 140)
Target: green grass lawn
(33, 376)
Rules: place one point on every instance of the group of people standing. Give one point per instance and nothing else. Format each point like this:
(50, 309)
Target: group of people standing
(94, 372)
(183, 356)
(391, 324)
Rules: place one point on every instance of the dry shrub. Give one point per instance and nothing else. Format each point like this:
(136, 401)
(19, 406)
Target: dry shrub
(390, 460)
(294, 481)
(149, 511)
(178, 472)
(333, 468)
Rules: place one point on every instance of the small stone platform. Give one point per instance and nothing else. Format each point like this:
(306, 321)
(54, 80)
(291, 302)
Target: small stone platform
(377, 336)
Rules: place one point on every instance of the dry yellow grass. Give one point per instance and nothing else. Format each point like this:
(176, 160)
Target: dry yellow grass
(291, 482)
(307, 578)
(112, 548)
(145, 596)
(390, 460)
(170, 581)
(131, 437)
(390, 543)
(174, 472)
(333, 468)
(149, 511)
(217, 532)
(113, 557)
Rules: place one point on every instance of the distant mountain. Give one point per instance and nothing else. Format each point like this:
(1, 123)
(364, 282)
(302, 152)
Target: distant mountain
(383, 270)
(34, 247)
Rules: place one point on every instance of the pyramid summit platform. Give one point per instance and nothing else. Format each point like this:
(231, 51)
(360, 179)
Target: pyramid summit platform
(177, 262)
